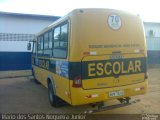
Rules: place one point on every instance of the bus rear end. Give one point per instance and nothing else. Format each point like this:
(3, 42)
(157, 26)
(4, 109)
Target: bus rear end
(107, 56)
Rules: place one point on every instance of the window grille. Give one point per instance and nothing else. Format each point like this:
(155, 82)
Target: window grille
(16, 37)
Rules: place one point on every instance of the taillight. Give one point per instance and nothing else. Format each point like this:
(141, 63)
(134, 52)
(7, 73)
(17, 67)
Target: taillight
(77, 82)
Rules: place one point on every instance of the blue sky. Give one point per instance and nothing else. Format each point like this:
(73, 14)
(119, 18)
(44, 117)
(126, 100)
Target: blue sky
(147, 9)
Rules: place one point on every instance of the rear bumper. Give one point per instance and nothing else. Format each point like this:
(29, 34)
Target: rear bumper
(80, 96)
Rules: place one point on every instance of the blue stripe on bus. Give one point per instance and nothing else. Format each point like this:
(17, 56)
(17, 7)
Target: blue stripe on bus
(73, 69)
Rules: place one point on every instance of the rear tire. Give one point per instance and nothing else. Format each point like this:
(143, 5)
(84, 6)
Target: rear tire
(34, 78)
(53, 99)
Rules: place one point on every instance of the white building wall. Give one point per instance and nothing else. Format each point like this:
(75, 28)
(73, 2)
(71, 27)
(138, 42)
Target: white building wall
(14, 46)
(16, 30)
(153, 40)
(11, 24)
(152, 26)
(20, 24)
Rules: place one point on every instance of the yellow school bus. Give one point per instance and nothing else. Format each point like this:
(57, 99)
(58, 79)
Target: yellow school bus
(91, 56)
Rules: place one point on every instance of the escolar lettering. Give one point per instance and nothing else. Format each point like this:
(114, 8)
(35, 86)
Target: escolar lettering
(109, 68)
(44, 64)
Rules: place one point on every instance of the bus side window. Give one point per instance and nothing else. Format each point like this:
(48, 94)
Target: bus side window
(34, 46)
(46, 44)
(40, 45)
(56, 37)
(46, 41)
(50, 40)
(60, 41)
(64, 36)
(50, 43)
(56, 40)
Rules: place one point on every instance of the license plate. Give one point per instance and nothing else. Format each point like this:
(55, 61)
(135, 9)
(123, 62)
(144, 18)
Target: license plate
(116, 93)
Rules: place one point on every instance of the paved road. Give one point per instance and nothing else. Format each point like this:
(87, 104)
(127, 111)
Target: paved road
(22, 95)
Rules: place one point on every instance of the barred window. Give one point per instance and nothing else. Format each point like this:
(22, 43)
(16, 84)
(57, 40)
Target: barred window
(16, 37)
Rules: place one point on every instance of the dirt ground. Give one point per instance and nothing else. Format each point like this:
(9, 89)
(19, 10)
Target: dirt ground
(21, 95)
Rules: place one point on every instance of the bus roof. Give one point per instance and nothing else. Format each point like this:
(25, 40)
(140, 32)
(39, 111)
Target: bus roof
(74, 11)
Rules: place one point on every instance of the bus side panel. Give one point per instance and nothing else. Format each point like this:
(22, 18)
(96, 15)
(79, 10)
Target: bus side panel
(61, 83)
(40, 75)
(62, 87)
